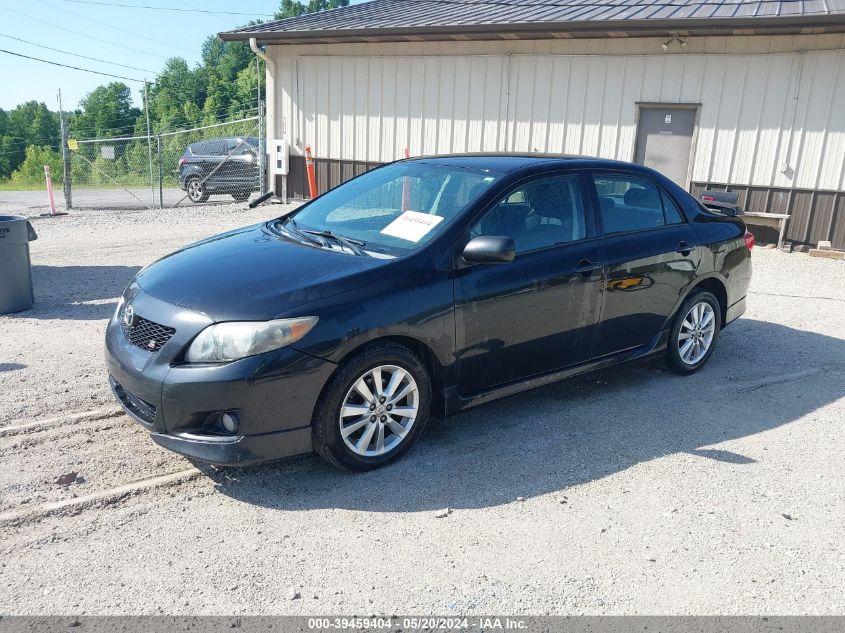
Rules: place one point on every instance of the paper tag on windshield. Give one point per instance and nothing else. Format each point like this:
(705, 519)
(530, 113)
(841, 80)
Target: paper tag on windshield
(412, 225)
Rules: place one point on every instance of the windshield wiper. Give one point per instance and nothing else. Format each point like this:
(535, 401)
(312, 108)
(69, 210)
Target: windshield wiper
(292, 227)
(352, 245)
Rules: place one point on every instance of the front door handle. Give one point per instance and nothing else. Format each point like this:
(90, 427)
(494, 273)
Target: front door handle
(586, 267)
(683, 248)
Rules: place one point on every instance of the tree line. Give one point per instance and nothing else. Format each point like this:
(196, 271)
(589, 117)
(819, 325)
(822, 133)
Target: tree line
(225, 85)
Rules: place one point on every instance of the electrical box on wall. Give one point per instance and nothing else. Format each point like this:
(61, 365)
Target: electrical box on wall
(279, 157)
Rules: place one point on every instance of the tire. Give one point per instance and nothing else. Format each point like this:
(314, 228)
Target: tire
(197, 192)
(241, 197)
(683, 357)
(352, 450)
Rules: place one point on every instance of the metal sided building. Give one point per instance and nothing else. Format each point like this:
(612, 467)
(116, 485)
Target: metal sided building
(738, 94)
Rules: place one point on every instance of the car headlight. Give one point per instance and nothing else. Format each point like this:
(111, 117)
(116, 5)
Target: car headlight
(118, 308)
(224, 342)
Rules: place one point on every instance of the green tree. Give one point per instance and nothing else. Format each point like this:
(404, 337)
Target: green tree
(105, 112)
(6, 146)
(31, 170)
(175, 89)
(294, 8)
(30, 123)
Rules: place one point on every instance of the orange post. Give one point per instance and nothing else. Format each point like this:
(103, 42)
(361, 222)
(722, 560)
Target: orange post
(312, 175)
(406, 187)
(49, 180)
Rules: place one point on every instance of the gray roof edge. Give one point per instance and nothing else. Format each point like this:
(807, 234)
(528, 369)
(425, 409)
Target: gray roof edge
(692, 25)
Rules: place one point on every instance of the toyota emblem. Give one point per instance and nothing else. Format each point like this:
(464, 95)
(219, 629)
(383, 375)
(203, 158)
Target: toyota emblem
(129, 316)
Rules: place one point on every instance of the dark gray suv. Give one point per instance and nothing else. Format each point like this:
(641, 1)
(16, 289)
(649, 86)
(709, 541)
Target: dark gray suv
(220, 166)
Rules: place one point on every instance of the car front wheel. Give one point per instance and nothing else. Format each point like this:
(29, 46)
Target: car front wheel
(374, 409)
(694, 334)
(197, 191)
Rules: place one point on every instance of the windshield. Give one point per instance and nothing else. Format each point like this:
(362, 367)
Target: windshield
(397, 208)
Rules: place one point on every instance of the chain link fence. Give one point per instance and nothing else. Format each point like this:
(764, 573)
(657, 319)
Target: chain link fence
(218, 163)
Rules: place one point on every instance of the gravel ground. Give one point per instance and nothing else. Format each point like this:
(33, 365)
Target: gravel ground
(630, 491)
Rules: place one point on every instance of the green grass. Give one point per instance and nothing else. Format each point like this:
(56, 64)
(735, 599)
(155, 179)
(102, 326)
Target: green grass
(14, 186)
(57, 186)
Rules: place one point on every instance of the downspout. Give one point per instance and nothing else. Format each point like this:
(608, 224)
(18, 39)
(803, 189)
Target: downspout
(253, 46)
(785, 167)
(262, 117)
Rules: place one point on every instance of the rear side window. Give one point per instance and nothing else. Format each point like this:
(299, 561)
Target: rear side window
(239, 147)
(670, 210)
(630, 203)
(216, 148)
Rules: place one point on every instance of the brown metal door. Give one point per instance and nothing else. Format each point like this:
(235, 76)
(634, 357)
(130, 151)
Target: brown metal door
(664, 140)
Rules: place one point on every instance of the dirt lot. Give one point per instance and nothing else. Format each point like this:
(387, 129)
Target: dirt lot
(628, 491)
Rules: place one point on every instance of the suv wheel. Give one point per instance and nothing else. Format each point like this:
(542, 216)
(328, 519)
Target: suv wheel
(196, 190)
(374, 409)
(694, 334)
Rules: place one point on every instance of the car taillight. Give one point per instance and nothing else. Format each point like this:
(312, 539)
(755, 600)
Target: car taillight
(749, 240)
(183, 161)
(708, 198)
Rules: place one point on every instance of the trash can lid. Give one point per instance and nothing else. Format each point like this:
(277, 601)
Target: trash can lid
(16, 229)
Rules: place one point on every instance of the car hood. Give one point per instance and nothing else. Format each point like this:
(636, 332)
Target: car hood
(252, 274)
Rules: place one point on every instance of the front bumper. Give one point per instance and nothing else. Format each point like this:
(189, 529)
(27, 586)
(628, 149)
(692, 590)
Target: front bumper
(273, 394)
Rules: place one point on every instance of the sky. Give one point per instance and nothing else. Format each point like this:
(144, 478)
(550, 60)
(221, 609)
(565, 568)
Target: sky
(143, 38)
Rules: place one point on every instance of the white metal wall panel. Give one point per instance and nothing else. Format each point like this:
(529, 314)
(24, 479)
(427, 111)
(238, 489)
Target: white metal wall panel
(370, 102)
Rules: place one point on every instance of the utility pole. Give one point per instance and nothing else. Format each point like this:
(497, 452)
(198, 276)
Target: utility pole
(149, 143)
(66, 187)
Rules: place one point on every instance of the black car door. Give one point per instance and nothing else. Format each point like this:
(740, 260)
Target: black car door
(537, 313)
(651, 255)
(213, 152)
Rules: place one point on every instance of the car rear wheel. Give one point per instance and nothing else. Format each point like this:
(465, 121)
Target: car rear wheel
(694, 334)
(374, 408)
(196, 190)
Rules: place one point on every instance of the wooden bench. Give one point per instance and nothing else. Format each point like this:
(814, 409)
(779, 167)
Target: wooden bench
(772, 220)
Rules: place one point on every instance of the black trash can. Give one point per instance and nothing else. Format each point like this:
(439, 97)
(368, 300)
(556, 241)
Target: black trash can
(15, 271)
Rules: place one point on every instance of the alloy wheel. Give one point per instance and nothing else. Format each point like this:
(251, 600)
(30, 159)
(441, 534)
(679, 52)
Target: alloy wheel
(379, 410)
(696, 333)
(195, 190)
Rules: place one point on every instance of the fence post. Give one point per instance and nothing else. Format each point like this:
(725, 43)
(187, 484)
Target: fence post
(160, 177)
(149, 142)
(66, 187)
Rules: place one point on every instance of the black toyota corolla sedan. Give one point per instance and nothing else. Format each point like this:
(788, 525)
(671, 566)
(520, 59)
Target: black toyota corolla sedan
(420, 289)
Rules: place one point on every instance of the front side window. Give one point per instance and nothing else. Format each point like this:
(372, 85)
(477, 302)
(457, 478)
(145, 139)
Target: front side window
(630, 203)
(396, 208)
(538, 214)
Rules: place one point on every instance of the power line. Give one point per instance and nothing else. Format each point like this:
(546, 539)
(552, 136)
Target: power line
(85, 70)
(94, 59)
(90, 37)
(117, 28)
(146, 6)
(216, 17)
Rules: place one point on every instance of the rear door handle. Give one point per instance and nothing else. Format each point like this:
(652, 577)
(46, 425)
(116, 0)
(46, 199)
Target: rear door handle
(586, 267)
(683, 248)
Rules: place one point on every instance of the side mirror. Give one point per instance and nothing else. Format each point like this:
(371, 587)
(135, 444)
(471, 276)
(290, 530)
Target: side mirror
(490, 249)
